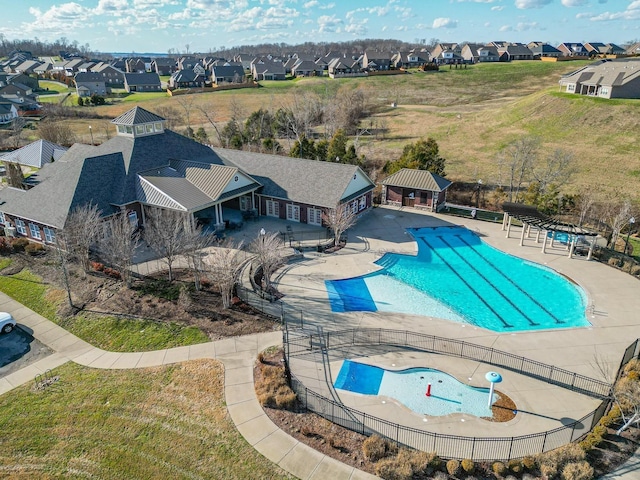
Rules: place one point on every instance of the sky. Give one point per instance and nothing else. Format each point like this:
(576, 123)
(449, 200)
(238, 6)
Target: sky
(207, 25)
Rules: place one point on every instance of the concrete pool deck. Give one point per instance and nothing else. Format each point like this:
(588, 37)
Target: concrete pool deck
(612, 298)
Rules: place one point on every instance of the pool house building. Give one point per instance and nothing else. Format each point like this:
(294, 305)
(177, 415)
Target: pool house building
(419, 189)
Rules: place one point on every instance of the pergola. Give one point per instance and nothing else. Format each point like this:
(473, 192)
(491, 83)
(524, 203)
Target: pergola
(530, 216)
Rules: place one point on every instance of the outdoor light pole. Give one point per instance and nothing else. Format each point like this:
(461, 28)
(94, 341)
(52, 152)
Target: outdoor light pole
(91, 132)
(493, 378)
(632, 220)
(479, 187)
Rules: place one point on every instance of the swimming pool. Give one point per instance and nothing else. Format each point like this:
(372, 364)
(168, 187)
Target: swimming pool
(456, 276)
(447, 394)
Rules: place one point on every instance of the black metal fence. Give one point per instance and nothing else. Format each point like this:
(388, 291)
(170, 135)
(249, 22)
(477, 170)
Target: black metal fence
(300, 342)
(447, 446)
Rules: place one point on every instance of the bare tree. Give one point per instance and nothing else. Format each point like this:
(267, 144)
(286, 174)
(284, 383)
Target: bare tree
(168, 233)
(339, 219)
(209, 114)
(625, 391)
(518, 159)
(55, 131)
(585, 203)
(15, 177)
(618, 218)
(119, 243)
(223, 265)
(555, 169)
(269, 254)
(195, 243)
(186, 102)
(17, 131)
(81, 230)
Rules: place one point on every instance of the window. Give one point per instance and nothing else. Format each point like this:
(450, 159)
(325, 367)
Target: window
(273, 208)
(139, 129)
(149, 128)
(3, 220)
(293, 212)
(363, 202)
(34, 231)
(245, 203)
(158, 126)
(604, 91)
(354, 206)
(20, 227)
(314, 216)
(129, 130)
(49, 235)
(571, 87)
(133, 217)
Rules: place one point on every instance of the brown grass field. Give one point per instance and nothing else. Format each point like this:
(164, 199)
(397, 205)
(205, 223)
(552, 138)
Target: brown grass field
(473, 113)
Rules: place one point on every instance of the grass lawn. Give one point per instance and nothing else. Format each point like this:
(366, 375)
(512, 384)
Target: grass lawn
(54, 87)
(103, 331)
(161, 422)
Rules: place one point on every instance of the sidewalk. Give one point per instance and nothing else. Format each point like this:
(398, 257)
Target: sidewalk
(238, 356)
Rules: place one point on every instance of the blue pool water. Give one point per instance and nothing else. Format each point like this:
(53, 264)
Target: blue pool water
(409, 387)
(456, 276)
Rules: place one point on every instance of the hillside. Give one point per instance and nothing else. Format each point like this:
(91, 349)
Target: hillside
(472, 113)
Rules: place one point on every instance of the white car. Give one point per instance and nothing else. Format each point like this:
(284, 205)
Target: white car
(7, 323)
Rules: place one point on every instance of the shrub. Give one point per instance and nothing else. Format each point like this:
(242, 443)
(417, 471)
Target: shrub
(499, 468)
(577, 471)
(424, 463)
(529, 463)
(515, 466)
(467, 465)
(34, 248)
(453, 467)
(632, 366)
(97, 266)
(590, 441)
(394, 469)
(374, 448)
(19, 244)
(548, 470)
(272, 389)
(5, 246)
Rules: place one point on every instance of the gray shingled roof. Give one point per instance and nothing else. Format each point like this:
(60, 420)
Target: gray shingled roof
(137, 116)
(36, 154)
(311, 182)
(418, 179)
(147, 78)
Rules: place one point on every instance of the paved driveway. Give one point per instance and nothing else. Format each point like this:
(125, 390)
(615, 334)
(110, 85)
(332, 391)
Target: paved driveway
(19, 349)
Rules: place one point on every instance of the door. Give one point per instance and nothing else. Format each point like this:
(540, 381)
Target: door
(314, 216)
(293, 212)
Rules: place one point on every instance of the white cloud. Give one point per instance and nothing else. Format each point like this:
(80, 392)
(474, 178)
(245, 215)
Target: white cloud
(526, 4)
(444, 23)
(574, 3)
(311, 4)
(497, 8)
(329, 24)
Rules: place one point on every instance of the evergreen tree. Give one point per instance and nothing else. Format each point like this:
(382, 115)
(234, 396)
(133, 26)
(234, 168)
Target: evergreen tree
(305, 148)
(422, 155)
(337, 149)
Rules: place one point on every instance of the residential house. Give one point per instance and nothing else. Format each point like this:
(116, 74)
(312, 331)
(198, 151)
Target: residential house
(439, 48)
(22, 79)
(264, 69)
(71, 66)
(27, 67)
(633, 49)
(137, 65)
(43, 69)
(596, 49)
(147, 165)
(163, 66)
(17, 92)
(344, 67)
(8, 112)
(515, 51)
(113, 77)
(90, 83)
(415, 188)
(299, 190)
(409, 59)
(142, 82)
(227, 74)
(187, 62)
(542, 49)
(36, 154)
(478, 53)
(245, 60)
(573, 50)
(86, 67)
(306, 68)
(376, 61)
(188, 78)
(606, 79)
